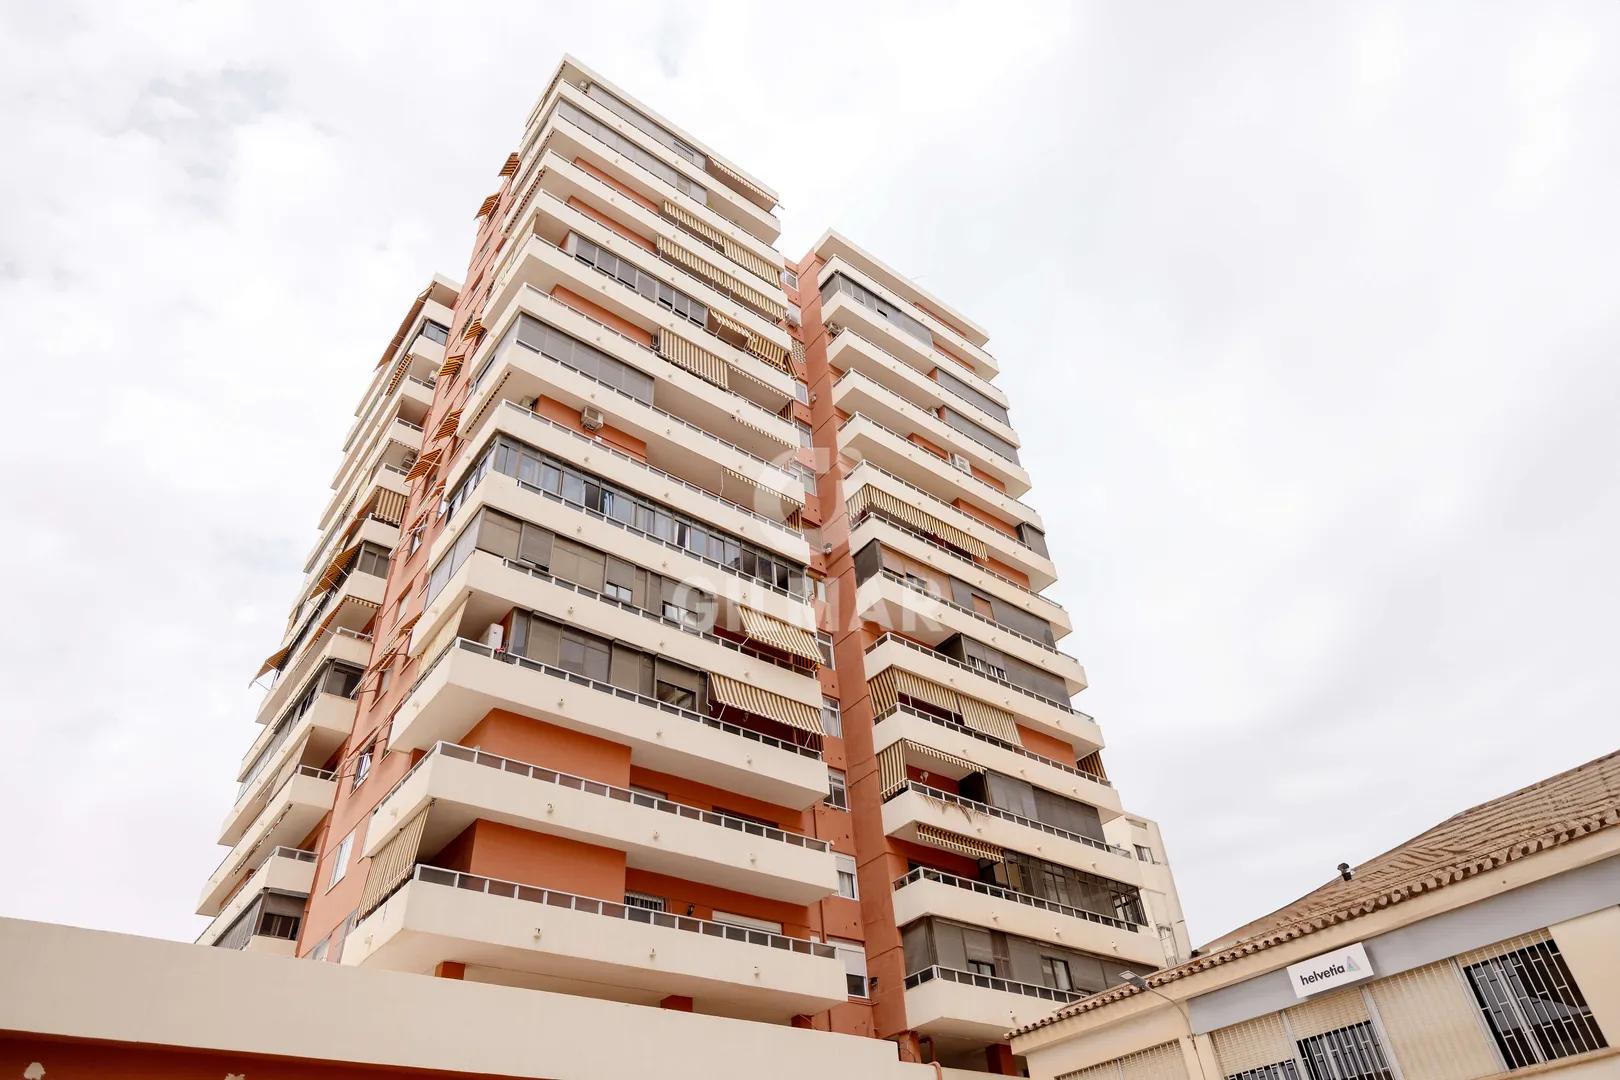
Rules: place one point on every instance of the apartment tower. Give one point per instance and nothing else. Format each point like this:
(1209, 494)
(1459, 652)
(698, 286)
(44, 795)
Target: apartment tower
(676, 637)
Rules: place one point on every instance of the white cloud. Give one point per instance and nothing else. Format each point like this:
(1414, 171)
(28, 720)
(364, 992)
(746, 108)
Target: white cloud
(1307, 315)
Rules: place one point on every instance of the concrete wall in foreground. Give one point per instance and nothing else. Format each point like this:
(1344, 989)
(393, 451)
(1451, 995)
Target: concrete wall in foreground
(261, 1015)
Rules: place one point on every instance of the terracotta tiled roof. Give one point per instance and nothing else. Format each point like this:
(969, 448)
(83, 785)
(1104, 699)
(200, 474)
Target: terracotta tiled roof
(1546, 814)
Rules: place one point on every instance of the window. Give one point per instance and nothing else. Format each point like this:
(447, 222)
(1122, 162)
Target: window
(434, 332)
(362, 764)
(982, 967)
(837, 793)
(1534, 1009)
(679, 696)
(801, 393)
(1144, 853)
(584, 655)
(1055, 973)
(805, 438)
(846, 877)
(790, 279)
(807, 477)
(644, 901)
(1347, 1053)
(832, 720)
(632, 276)
(340, 860)
(1282, 1070)
(853, 954)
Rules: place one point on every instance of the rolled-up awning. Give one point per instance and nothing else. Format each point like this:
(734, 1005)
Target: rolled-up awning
(789, 502)
(424, 464)
(970, 846)
(451, 365)
(779, 635)
(447, 426)
(274, 660)
(751, 699)
(694, 358)
(871, 498)
(774, 436)
(741, 184)
(487, 207)
(510, 166)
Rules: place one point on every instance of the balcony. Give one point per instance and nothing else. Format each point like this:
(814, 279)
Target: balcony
(349, 646)
(902, 723)
(962, 1010)
(310, 738)
(372, 529)
(617, 467)
(1005, 547)
(1033, 709)
(857, 394)
(835, 247)
(292, 810)
(463, 786)
(925, 892)
(917, 804)
(891, 601)
(673, 442)
(595, 947)
(868, 527)
(286, 870)
(463, 683)
(850, 352)
(399, 442)
(862, 438)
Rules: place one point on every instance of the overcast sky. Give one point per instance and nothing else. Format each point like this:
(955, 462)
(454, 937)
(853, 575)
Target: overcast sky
(1307, 313)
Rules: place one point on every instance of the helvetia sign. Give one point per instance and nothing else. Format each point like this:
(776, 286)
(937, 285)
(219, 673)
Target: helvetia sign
(1330, 970)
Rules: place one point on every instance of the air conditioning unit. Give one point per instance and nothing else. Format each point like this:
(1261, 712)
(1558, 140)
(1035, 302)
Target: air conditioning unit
(495, 636)
(591, 419)
(528, 403)
(794, 318)
(961, 463)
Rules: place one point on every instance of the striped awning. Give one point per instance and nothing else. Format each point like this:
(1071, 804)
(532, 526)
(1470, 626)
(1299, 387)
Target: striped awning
(510, 167)
(765, 305)
(403, 630)
(962, 765)
(693, 224)
(751, 699)
(694, 358)
(331, 617)
(274, 660)
(388, 506)
(451, 365)
(447, 426)
(871, 498)
(769, 630)
(996, 722)
(474, 329)
(394, 862)
(397, 376)
(892, 777)
(769, 433)
(727, 329)
(915, 686)
(424, 464)
(789, 502)
(953, 841)
(334, 569)
(487, 207)
(696, 266)
(768, 351)
(746, 259)
(741, 184)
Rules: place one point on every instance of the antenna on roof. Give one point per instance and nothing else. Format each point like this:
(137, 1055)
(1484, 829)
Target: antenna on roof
(1345, 872)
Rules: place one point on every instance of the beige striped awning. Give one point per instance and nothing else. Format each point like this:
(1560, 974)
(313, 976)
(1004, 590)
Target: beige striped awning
(954, 841)
(451, 365)
(887, 686)
(331, 616)
(487, 207)
(388, 506)
(694, 358)
(728, 330)
(897, 752)
(770, 308)
(424, 464)
(771, 434)
(403, 630)
(768, 351)
(915, 686)
(871, 498)
(772, 631)
(393, 862)
(696, 266)
(274, 660)
(892, 777)
(996, 722)
(334, 569)
(746, 259)
(510, 166)
(447, 426)
(751, 699)
(962, 765)
(741, 184)
(693, 224)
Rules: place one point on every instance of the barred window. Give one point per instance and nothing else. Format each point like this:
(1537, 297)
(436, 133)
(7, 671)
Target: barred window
(1347, 1053)
(1534, 1009)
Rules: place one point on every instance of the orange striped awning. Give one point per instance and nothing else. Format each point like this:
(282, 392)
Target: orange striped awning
(769, 630)
(694, 358)
(487, 207)
(751, 699)
(970, 846)
(274, 660)
(334, 569)
(424, 464)
(397, 376)
(510, 167)
(451, 365)
(447, 426)
(474, 329)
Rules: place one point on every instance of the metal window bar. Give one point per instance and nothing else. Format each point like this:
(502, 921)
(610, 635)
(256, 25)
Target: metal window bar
(963, 729)
(990, 982)
(924, 873)
(937, 655)
(617, 691)
(434, 875)
(1005, 815)
(1347, 1053)
(1534, 1009)
(1282, 1070)
(610, 791)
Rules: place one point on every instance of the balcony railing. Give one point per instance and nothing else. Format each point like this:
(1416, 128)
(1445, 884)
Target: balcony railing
(933, 504)
(609, 791)
(991, 982)
(278, 852)
(997, 679)
(294, 774)
(309, 650)
(1005, 815)
(1002, 627)
(957, 555)
(905, 403)
(434, 875)
(616, 691)
(949, 365)
(963, 729)
(968, 478)
(924, 873)
(654, 470)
